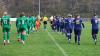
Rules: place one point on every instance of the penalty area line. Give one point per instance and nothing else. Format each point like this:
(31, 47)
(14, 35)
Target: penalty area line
(60, 48)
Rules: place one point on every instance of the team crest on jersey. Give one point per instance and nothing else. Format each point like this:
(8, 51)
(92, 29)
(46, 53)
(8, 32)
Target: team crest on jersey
(77, 21)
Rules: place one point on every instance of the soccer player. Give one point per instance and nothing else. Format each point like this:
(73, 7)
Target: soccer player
(30, 22)
(45, 19)
(78, 28)
(68, 26)
(54, 24)
(34, 23)
(62, 25)
(23, 27)
(57, 23)
(38, 23)
(18, 23)
(6, 26)
(95, 28)
(51, 19)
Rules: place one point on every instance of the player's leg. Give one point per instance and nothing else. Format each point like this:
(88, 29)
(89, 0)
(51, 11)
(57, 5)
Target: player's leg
(28, 32)
(26, 29)
(57, 28)
(33, 28)
(68, 35)
(44, 25)
(95, 39)
(51, 24)
(18, 35)
(75, 32)
(63, 31)
(95, 36)
(39, 27)
(8, 35)
(36, 27)
(4, 36)
(66, 32)
(23, 36)
(30, 29)
(79, 33)
(62, 26)
(54, 27)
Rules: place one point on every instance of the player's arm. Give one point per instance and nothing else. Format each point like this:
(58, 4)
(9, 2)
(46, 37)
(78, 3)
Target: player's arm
(40, 22)
(73, 22)
(64, 24)
(82, 24)
(92, 20)
(9, 21)
(1, 23)
(17, 22)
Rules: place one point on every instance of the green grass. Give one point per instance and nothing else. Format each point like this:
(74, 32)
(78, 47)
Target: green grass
(41, 44)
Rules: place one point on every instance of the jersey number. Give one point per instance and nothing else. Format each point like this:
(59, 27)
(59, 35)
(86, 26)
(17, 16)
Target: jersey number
(5, 22)
(22, 21)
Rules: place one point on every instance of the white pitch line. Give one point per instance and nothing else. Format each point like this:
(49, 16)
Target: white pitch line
(60, 48)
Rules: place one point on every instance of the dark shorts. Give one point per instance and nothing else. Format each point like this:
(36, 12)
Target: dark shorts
(22, 29)
(45, 22)
(77, 31)
(95, 31)
(69, 30)
(51, 22)
(6, 29)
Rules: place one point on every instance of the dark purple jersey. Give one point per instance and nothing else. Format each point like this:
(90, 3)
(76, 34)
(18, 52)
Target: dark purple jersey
(78, 23)
(94, 22)
(68, 23)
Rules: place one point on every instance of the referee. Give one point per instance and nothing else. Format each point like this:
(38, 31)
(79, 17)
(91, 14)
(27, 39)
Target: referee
(45, 19)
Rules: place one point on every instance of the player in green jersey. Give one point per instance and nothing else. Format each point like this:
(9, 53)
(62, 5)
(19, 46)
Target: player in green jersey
(18, 23)
(23, 27)
(30, 22)
(34, 23)
(6, 26)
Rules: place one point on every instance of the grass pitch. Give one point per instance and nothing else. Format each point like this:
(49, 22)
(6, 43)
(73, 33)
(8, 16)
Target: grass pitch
(49, 43)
